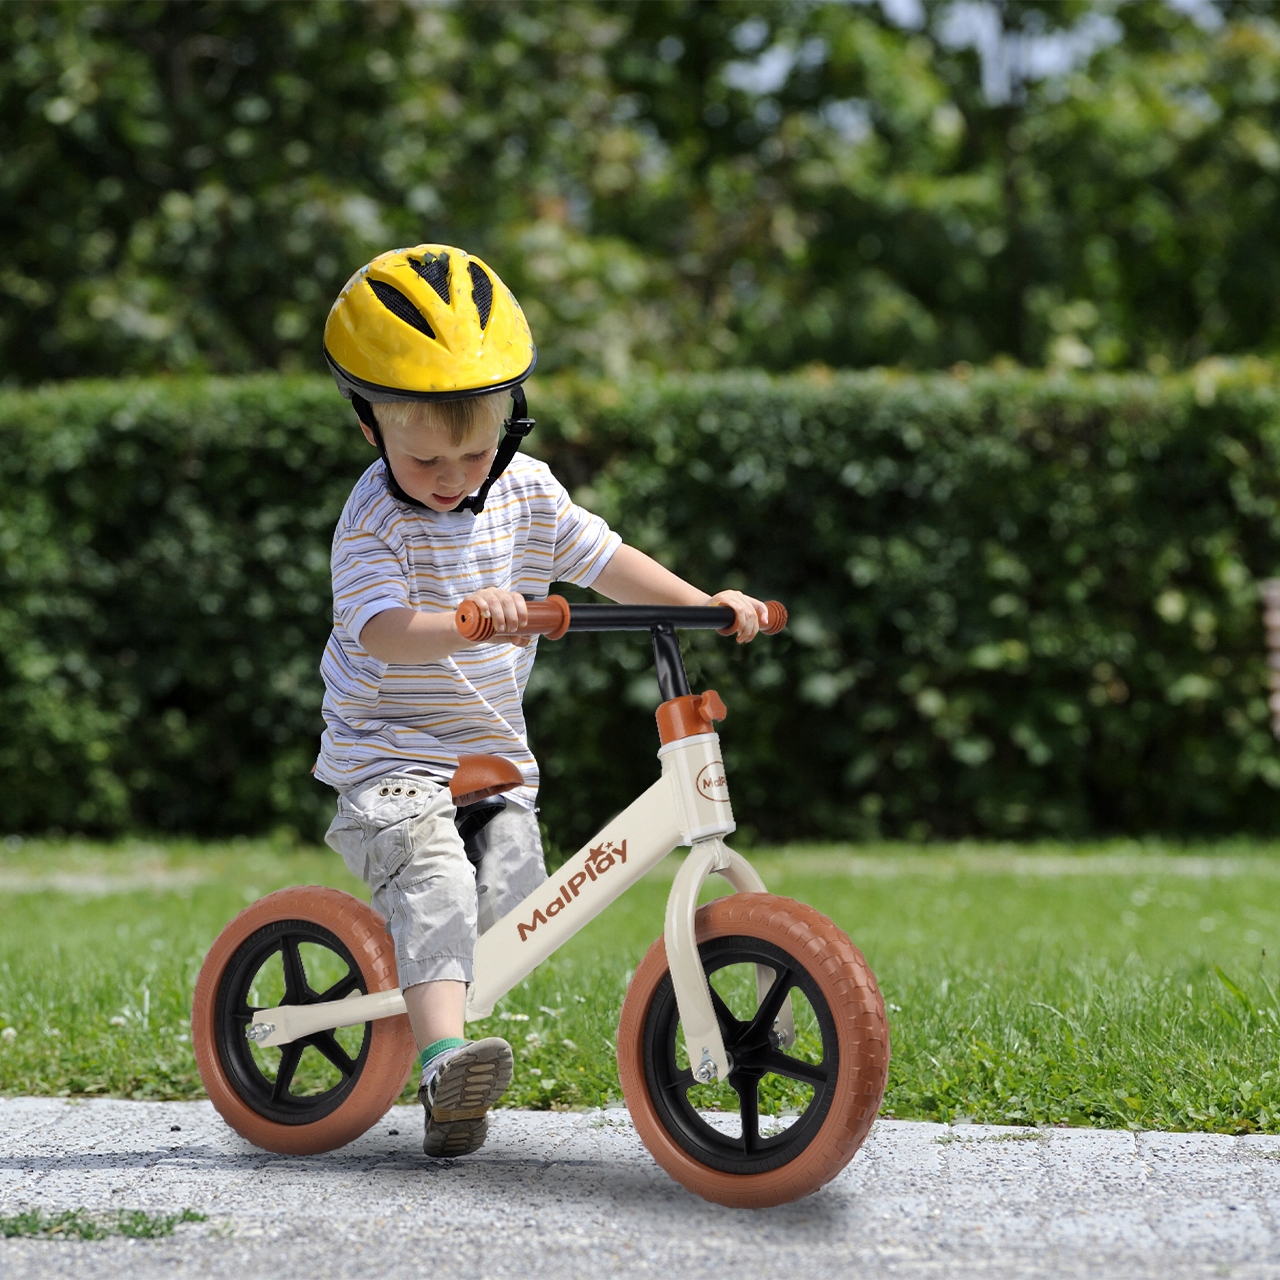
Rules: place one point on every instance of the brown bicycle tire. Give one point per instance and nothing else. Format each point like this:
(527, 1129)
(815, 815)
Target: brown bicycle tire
(849, 987)
(391, 1044)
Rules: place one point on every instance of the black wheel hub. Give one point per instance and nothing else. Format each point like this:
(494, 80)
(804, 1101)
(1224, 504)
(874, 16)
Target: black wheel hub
(233, 1014)
(754, 1052)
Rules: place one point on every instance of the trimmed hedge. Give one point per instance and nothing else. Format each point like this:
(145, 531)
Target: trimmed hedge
(1021, 604)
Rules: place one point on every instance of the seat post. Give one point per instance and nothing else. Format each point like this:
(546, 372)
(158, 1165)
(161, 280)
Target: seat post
(672, 680)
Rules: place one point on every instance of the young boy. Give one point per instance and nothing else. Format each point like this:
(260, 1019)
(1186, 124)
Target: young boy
(429, 345)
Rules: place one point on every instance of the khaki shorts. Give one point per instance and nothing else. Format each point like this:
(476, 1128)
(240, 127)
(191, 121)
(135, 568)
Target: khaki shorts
(398, 836)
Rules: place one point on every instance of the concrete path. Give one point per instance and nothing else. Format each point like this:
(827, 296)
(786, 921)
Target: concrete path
(577, 1195)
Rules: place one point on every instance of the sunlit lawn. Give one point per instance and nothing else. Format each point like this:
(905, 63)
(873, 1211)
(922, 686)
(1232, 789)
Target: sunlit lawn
(1110, 985)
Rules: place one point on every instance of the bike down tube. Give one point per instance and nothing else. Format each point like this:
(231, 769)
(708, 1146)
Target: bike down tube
(597, 875)
(688, 805)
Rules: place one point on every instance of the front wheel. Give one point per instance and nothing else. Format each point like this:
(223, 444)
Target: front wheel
(788, 1118)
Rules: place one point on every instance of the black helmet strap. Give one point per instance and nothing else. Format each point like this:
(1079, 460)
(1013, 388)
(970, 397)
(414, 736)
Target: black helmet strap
(518, 425)
(364, 411)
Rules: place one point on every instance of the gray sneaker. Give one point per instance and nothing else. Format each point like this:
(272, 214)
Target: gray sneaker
(458, 1099)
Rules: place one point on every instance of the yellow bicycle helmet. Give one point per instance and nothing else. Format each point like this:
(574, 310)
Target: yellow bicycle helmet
(430, 323)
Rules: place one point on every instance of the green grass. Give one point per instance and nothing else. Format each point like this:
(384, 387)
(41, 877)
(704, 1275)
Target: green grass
(1117, 985)
(81, 1224)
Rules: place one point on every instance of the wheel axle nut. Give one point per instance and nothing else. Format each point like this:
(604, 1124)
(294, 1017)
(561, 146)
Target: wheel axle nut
(706, 1071)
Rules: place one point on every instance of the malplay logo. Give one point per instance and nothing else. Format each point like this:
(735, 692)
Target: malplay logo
(712, 783)
(599, 860)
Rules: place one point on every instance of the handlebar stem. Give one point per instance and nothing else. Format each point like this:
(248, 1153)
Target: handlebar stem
(669, 662)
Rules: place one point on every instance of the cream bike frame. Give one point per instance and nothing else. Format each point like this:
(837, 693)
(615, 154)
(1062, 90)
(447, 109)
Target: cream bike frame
(687, 806)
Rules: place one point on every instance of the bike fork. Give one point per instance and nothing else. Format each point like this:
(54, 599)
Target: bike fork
(707, 1055)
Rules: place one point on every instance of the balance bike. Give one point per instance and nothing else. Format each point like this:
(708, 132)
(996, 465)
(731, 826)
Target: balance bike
(303, 1043)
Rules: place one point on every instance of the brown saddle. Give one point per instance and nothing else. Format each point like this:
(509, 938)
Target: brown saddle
(479, 777)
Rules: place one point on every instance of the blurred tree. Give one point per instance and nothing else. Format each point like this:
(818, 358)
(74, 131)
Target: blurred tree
(185, 184)
(665, 183)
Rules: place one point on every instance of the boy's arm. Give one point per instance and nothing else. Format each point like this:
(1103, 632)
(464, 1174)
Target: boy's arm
(404, 637)
(631, 577)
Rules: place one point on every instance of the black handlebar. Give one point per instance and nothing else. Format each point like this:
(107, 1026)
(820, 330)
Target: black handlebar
(644, 617)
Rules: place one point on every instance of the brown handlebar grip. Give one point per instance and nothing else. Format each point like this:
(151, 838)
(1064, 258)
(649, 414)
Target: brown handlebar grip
(775, 618)
(549, 617)
(471, 623)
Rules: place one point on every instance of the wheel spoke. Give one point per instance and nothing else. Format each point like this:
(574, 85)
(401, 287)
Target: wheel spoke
(343, 987)
(296, 988)
(781, 1064)
(724, 1015)
(771, 1005)
(327, 1044)
(683, 1082)
(290, 1056)
(749, 1109)
(246, 1013)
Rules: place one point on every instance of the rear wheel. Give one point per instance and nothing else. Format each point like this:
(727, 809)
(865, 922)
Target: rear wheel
(788, 1118)
(299, 946)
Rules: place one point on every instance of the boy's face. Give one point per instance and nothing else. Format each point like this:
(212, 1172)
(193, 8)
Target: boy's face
(429, 467)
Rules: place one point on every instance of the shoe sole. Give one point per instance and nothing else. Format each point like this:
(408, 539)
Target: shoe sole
(467, 1086)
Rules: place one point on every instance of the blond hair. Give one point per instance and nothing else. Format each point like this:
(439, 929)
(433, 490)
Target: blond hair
(459, 418)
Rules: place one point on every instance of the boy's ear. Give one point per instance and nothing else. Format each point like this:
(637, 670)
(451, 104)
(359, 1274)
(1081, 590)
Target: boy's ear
(368, 435)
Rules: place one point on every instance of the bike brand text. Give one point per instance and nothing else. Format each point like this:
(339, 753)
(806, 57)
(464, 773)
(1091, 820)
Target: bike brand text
(712, 783)
(599, 860)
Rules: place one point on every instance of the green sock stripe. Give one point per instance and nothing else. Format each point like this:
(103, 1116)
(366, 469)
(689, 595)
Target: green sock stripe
(435, 1049)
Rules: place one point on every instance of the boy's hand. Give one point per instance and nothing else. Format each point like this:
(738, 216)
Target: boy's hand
(508, 611)
(631, 577)
(750, 612)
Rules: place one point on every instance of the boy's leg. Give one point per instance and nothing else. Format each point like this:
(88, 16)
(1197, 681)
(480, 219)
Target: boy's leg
(398, 835)
(436, 1010)
(511, 863)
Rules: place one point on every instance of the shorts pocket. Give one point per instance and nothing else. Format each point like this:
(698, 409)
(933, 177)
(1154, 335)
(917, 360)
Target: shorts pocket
(376, 830)
(431, 843)
(346, 837)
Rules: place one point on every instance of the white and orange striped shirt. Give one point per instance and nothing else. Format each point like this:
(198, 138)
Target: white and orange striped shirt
(383, 718)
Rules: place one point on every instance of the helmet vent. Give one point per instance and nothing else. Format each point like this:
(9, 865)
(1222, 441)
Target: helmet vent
(434, 269)
(481, 292)
(401, 307)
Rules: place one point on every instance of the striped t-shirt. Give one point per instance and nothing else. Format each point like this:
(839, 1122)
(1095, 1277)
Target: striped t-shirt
(385, 718)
